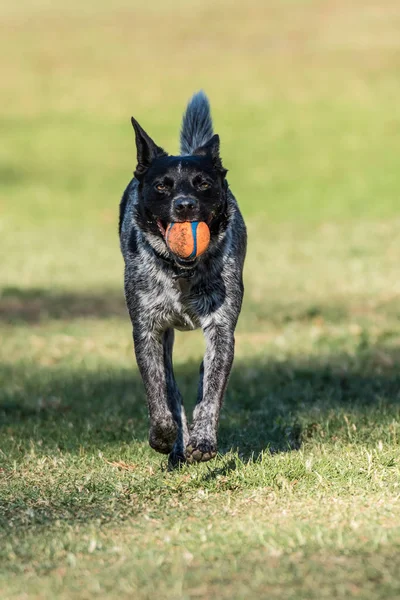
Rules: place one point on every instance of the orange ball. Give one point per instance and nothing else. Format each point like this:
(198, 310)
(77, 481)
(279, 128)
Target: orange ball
(188, 239)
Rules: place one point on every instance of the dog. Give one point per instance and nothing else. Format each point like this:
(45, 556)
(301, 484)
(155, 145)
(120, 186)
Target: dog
(164, 292)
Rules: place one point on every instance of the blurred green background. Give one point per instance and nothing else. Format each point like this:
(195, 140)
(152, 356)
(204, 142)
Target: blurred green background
(305, 96)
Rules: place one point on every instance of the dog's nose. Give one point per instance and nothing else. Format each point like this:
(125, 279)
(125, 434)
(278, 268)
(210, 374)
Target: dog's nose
(185, 204)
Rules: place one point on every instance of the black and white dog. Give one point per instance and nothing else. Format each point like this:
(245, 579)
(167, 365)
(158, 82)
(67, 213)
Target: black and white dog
(164, 292)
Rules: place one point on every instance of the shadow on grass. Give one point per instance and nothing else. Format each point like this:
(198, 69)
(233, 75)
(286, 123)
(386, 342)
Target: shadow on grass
(35, 305)
(273, 406)
(269, 405)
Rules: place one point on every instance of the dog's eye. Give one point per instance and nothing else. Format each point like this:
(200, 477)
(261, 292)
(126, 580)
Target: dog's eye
(204, 185)
(160, 187)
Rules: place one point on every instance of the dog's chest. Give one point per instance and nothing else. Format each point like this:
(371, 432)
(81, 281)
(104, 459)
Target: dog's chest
(179, 307)
(163, 302)
(182, 308)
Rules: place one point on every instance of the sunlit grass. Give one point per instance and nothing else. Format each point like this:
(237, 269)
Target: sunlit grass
(303, 499)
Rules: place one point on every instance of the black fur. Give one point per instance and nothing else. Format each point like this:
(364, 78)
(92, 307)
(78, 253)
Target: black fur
(164, 292)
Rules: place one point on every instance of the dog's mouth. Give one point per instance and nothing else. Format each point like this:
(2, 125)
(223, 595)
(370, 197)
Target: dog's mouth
(163, 225)
(185, 263)
(182, 262)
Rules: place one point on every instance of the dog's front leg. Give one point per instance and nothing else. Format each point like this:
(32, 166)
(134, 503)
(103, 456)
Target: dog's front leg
(214, 375)
(149, 350)
(177, 455)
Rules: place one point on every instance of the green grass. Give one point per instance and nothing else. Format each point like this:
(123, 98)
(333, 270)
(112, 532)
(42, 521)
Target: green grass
(303, 500)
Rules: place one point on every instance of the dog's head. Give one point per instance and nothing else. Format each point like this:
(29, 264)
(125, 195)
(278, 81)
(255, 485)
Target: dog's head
(179, 188)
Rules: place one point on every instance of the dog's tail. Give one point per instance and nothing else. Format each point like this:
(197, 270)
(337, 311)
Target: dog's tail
(197, 128)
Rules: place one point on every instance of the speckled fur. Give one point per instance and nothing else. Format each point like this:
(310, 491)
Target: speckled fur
(161, 298)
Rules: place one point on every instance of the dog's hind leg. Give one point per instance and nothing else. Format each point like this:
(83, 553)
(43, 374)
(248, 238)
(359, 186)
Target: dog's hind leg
(177, 455)
(214, 374)
(151, 359)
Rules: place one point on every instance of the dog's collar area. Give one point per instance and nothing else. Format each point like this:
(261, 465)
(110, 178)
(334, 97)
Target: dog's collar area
(180, 272)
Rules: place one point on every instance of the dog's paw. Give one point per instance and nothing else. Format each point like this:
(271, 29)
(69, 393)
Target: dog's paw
(200, 450)
(162, 436)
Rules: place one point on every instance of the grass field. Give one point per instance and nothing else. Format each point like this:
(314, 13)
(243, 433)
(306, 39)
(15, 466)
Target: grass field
(303, 500)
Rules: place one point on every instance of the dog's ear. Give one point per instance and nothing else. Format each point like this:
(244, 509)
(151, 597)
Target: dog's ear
(211, 149)
(147, 150)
